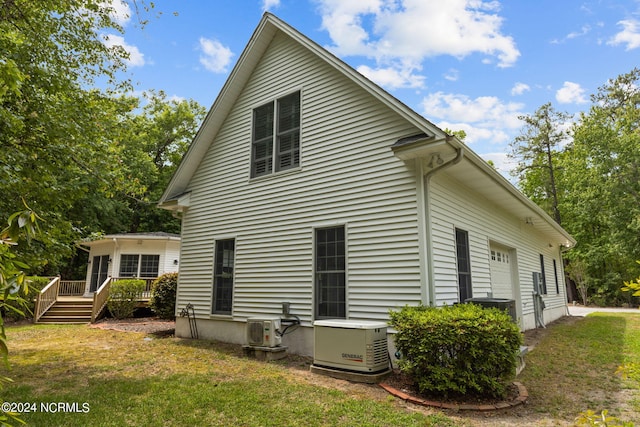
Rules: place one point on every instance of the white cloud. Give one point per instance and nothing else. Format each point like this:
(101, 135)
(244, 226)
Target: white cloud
(270, 4)
(520, 88)
(411, 30)
(136, 58)
(571, 93)
(393, 78)
(452, 75)
(630, 34)
(215, 57)
(485, 119)
(484, 111)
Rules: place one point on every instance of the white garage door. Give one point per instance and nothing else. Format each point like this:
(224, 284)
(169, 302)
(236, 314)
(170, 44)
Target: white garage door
(501, 280)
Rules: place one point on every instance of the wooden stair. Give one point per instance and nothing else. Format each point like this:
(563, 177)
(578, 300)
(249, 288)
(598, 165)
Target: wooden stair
(69, 310)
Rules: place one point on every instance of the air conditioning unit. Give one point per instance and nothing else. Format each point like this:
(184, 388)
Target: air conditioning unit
(352, 345)
(261, 331)
(505, 304)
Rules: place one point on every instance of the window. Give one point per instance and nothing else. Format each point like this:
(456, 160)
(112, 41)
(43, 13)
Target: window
(555, 273)
(149, 265)
(276, 135)
(223, 277)
(544, 277)
(330, 273)
(135, 265)
(464, 264)
(129, 265)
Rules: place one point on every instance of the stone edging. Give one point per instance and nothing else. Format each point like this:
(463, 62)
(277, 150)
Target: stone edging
(523, 395)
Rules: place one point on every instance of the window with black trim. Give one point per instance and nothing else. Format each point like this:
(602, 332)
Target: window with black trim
(464, 265)
(223, 277)
(544, 276)
(330, 273)
(555, 274)
(275, 143)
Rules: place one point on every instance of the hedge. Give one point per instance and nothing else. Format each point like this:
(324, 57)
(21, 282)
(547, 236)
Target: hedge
(457, 350)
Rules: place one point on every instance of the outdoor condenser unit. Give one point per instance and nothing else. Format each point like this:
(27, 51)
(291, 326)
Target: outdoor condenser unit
(508, 305)
(353, 345)
(261, 331)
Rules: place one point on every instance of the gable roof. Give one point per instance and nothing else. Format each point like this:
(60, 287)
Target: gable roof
(239, 76)
(500, 191)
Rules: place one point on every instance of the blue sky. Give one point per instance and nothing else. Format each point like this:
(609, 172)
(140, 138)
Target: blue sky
(463, 64)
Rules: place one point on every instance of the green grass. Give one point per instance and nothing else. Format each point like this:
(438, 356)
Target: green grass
(577, 367)
(129, 381)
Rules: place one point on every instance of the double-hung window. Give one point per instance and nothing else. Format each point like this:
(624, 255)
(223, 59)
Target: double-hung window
(275, 144)
(464, 265)
(223, 277)
(330, 273)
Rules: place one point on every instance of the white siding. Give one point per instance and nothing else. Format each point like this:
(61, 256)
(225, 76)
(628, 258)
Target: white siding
(348, 175)
(453, 206)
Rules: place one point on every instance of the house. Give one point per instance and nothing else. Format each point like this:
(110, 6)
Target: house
(309, 185)
(111, 258)
(131, 255)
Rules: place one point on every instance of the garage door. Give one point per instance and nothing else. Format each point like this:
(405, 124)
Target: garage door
(501, 279)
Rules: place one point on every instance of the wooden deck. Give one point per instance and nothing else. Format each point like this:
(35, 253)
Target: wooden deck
(63, 301)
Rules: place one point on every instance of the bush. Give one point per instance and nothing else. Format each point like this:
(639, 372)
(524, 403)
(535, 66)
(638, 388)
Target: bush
(36, 284)
(123, 297)
(163, 295)
(457, 350)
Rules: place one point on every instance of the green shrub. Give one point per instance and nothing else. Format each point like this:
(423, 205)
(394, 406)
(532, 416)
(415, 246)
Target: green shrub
(123, 297)
(36, 284)
(457, 350)
(163, 295)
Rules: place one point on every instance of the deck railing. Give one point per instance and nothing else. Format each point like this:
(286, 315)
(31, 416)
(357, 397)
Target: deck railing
(100, 298)
(46, 298)
(72, 288)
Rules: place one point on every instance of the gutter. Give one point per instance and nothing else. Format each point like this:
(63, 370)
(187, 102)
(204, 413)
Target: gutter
(431, 282)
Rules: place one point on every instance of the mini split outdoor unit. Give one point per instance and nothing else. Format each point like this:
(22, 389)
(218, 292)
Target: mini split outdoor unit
(352, 345)
(262, 331)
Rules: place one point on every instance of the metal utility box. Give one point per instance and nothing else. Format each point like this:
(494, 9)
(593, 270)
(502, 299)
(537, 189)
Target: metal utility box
(502, 303)
(353, 345)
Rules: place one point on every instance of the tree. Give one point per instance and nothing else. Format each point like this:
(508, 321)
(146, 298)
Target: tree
(535, 151)
(55, 145)
(603, 186)
(156, 139)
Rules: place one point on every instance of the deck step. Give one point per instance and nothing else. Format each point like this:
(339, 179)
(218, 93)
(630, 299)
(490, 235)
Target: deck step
(63, 311)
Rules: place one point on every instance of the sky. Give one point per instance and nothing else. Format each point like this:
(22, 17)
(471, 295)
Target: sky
(469, 65)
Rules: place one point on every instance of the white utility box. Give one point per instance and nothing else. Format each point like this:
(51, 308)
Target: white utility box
(263, 331)
(354, 345)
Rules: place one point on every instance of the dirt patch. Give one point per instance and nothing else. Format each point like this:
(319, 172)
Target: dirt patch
(147, 325)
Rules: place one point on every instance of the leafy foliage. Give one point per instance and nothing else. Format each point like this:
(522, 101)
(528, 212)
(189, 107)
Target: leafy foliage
(89, 160)
(14, 288)
(457, 350)
(22, 307)
(590, 418)
(163, 295)
(123, 297)
(597, 183)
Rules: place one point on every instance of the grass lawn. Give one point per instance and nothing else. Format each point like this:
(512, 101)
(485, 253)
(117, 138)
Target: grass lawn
(128, 379)
(590, 363)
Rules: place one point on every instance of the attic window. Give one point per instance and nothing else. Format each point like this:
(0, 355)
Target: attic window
(276, 136)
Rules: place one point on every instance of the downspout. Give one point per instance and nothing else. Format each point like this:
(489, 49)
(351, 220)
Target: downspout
(427, 209)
